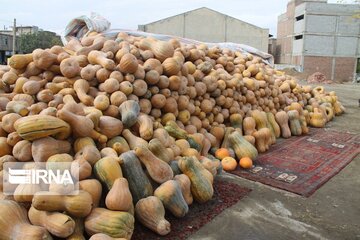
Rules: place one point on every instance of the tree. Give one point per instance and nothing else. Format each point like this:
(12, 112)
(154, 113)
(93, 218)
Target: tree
(42, 39)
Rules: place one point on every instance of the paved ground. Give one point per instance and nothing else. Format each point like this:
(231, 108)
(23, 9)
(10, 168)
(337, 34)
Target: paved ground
(333, 212)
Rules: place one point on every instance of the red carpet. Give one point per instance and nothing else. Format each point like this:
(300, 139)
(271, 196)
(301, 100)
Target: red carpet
(226, 194)
(306, 162)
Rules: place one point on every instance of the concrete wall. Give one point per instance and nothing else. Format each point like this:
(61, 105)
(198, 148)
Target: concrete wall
(210, 26)
(329, 38)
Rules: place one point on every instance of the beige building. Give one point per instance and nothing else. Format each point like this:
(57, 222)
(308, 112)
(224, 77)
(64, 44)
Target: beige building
(207, 25)
(320, 37)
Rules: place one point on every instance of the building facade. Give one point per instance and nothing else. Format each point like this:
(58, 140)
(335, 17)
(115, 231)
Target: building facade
(207, 25)
(320, 37)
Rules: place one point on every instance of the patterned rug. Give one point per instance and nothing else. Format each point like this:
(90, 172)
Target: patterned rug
(303, 164)
(226, 194)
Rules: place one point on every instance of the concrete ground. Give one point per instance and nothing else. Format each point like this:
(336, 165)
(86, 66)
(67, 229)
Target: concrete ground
(332, 212)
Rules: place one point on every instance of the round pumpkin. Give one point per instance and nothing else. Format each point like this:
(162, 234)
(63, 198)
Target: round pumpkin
(222, 153)
(228, 163)
(246, 162)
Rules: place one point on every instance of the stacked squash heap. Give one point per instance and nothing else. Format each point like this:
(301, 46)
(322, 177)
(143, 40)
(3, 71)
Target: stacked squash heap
(139, 117)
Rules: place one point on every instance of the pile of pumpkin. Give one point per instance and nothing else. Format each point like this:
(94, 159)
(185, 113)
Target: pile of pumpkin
(141, 121)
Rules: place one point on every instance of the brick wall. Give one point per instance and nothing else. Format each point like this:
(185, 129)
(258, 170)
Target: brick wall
(318, 64)
(344, 69)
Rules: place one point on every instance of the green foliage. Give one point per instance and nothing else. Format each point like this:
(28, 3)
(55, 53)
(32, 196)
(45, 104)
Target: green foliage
(42, 39)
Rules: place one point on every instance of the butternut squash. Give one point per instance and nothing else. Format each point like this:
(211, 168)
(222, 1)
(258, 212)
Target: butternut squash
(43, 148)
(171, 196)
(282, 119)
(119, 197)
(39, 126)
(159, 150)
(58, 224)
(94, 188)
(19, 227)
(139, 184)
(129, 111)
(116, 224)
(185, 186)
(151, 213)
(294, 119)
(242, 147)
(79, 204)
(201, 186)
(158, 170)
(107, 170)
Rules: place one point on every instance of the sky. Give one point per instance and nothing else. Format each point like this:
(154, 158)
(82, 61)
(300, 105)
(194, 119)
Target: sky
(54, 15)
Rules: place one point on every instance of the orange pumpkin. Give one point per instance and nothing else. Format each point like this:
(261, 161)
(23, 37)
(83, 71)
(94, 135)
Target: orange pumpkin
(228, 163)
(221, 153)
(246, 162)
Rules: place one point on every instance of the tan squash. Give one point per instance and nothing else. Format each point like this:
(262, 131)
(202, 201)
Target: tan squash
(145, 126)
(162, 50)
(133, 140)
(159, 150)
(151, 213)
(119, 197)
(185, 185)
(58, 224)
(94, 188)
(81, 125)
(22, 151)
(78, 233)
(282, 119)
(158, 170)
(43, 148)
(171, 196)
(78, 204)
(19, 227)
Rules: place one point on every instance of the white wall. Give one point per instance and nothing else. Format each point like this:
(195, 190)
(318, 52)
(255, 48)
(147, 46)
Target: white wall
(210, 26)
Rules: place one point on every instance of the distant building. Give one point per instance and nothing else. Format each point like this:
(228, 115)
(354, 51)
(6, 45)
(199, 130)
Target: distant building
(207, 25)
(6, 40)
(320, 37)
(6, 46)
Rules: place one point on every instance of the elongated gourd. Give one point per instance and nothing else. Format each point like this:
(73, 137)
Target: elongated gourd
(78, 233)
(19, 227)
(107, 170)
(158, 170)
(139, 184)
(171, 196)
(39, 126)
(56, 223)
(116, 224)
(201, 186)
(81, 125)
(159, 150)
(282, 119)
(273, 124)
(133, 140)
(151, 213)
(241, 146)
(146, 130)
(77, 204)
(249, 125)
(294, 119)
(185, 186)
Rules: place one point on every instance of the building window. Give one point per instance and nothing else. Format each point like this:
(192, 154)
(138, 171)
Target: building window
(300, 17)
(6, 41)
(298, 37)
